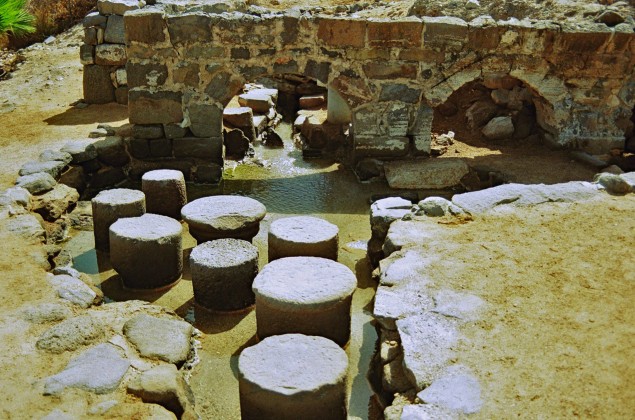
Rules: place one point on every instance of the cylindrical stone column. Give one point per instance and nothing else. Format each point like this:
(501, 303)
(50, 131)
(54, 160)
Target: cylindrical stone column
(303, 236)
(305, 295)
(293, 376)
(223, 216)
(165, 192)
(147, 251)
(111, 205)
(223, 272)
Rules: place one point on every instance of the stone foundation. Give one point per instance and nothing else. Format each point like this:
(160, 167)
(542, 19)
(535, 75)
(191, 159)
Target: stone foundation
(184, 63)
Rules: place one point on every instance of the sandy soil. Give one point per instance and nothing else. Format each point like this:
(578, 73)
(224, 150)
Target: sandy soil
(558, 336)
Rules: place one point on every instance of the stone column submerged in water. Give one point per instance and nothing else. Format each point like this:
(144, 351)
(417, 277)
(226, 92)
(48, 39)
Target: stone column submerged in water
(165, 192)
(224, 216)
(293, 376)
(222, 274)
(147, 251)
(305, 295)
(303, 236)
(111, 205)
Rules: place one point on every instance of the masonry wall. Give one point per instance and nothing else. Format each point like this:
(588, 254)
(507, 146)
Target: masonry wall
(182, 69)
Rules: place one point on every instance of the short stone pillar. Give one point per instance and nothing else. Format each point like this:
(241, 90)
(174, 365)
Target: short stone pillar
(223, 272)
(111, 205)
(165, 192)
(293, 376)
(223, 216)
(147, 251)
(305, 295)
(303, 236)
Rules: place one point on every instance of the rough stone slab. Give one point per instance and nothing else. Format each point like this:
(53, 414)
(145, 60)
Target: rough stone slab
(112, 151)
(393, 378)
(71, 334)
(115, 33)
(436, 206)
(381, 146)
(28, 227)
(160, 107)
(499, 128)
(110, 55)
(46, 312)
(159, 338)
(163, 385)
(239, 117)
(98, 87)
(404, 234)
(613, 184)
(116, 7)
(427, 341)
(427, 412)
(203, 148)
(385, 211)
(457, 390)
(458, 305)
(53, 204)
(52, 167)
(80, 150)
(206, 120)
(400, 301)
(259, 100)
(99, 370)
(94, 19)
(87, 54)
(36, 183)
(519, 195)
(424, 174)
(18, 195)
(74, 290)
(58, 155)
(145, 25)
(630, 178)
(406, 267)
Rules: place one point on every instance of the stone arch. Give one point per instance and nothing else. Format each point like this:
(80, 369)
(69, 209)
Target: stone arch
(483, 96)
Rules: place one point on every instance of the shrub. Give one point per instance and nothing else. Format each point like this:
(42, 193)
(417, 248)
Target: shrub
(14, 19)
(52, 17)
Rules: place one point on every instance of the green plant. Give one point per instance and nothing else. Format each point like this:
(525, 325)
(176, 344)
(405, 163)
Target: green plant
(15, 19)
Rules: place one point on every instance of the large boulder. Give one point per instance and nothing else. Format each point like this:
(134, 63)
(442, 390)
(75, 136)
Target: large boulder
(499, 128)
(426, 174)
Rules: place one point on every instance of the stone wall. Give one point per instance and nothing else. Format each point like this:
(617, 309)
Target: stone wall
(184, 66)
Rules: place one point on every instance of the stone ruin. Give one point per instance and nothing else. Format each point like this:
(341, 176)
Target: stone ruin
(178, 64)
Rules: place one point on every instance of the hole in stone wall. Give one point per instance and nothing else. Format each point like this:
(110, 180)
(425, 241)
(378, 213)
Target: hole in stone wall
(499, 113)
(282, 108)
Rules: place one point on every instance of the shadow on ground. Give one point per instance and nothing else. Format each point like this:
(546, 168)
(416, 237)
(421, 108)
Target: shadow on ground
(92, 114)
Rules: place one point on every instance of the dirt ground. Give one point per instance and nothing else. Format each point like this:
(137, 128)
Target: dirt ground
(558, 339)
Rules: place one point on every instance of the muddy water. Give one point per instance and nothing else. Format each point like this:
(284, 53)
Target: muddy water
(287, 185)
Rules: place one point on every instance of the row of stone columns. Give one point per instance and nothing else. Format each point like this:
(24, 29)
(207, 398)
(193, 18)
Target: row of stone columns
(302, 297)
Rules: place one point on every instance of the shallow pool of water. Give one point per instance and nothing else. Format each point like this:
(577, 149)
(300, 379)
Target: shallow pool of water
(287, 185)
